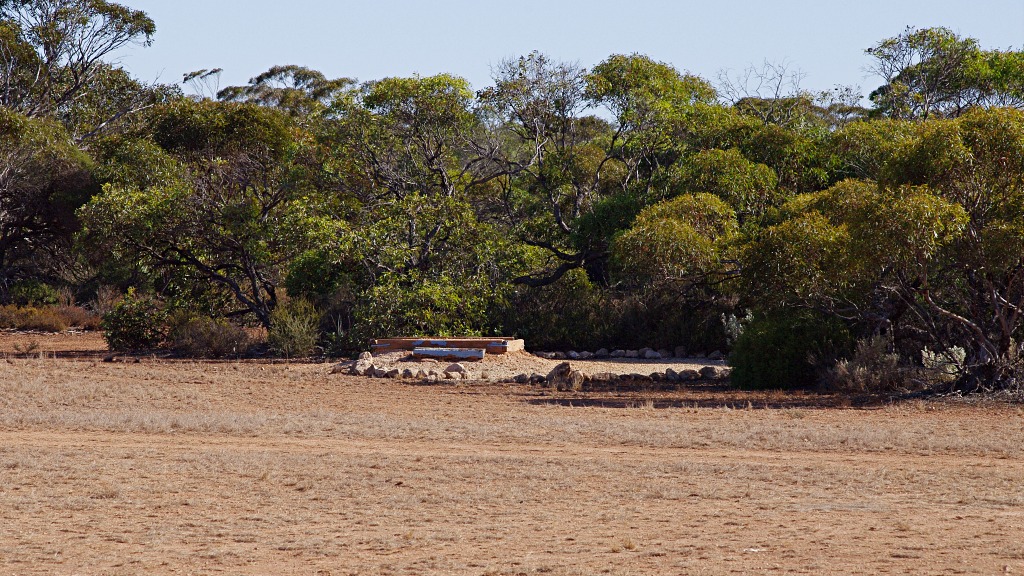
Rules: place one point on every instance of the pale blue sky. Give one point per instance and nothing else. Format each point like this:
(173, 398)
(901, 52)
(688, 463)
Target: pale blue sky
(374, 39)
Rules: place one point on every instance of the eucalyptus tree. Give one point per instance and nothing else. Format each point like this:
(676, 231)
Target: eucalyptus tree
(748, 187)
(220, 193)
(411, 174)
(977, 288)
(931, 254)
(861, 150)
(574, 178)
(934, 72)
(53, 50)
(679, 241)
(536, 108)
(299, 90)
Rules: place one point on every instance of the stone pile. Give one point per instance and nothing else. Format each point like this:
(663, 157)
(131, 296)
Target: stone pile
(364, 367)
(567, 377)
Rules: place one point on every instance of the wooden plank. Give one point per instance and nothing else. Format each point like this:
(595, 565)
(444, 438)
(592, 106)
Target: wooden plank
(385, 344)
(492, 345)
(470, 354)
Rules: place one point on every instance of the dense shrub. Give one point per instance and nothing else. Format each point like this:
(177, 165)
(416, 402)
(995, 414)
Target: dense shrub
(575, 314)
(567, 314)
(785, 349)
(33, 293)
(135, 323)
(47, 318)
(206, 337)
(663, 319)
(294, 329)
(43, 319)
(333, 288)
(422, 306)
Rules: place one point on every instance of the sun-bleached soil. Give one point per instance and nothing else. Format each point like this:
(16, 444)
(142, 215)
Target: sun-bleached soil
(257, 468)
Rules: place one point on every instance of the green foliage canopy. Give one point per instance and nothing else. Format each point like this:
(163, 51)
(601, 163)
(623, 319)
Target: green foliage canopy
(233, 205)
(44, 177)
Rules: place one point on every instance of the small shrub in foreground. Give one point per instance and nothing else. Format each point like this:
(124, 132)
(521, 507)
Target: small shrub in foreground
(294, 329)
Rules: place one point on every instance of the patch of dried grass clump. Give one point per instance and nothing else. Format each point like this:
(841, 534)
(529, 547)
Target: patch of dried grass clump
(79, 317)
(47, 318)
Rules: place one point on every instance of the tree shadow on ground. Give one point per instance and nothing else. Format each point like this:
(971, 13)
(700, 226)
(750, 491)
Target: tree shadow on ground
(714, 396)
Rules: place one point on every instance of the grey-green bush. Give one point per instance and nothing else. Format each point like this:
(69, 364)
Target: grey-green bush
(873, 368)
(207, 337)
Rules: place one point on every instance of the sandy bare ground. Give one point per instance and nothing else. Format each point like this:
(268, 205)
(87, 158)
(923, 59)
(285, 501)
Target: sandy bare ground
(243, 468)
(502, 366)
(65, 344)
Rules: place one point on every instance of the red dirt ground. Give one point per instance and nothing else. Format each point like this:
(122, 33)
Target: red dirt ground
(257, 468)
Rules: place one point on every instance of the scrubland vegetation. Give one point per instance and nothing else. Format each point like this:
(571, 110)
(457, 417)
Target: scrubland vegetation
(837, 251)
(629, 204)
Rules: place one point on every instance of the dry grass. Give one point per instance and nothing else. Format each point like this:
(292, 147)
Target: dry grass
(157, 468)
(193, 397)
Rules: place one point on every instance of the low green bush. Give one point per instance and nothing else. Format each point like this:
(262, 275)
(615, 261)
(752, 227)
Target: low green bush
(33, 293)
(422, 306)
(135, 323)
